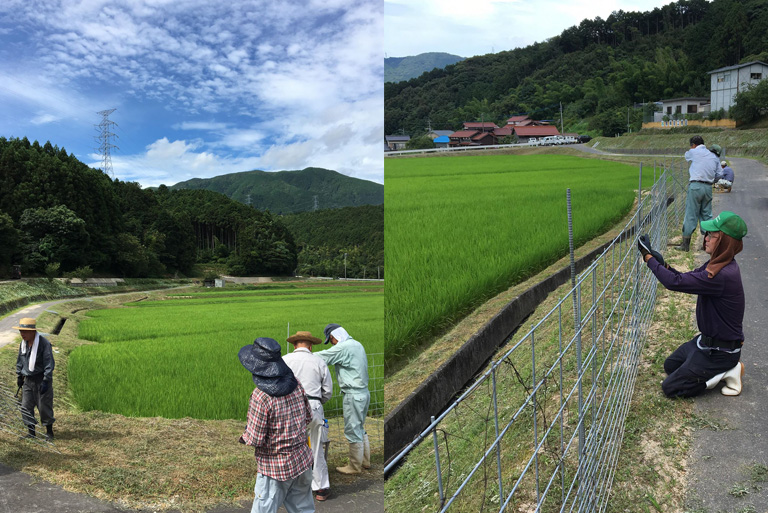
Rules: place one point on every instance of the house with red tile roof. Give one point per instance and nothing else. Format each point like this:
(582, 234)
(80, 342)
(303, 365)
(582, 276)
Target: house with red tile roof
(483, 126)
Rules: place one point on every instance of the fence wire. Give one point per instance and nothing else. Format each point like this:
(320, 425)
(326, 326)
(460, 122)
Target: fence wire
(541, 429)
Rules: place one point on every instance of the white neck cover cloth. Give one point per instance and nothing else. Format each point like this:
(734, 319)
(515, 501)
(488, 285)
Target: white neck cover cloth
(33, 356)
(340, 334)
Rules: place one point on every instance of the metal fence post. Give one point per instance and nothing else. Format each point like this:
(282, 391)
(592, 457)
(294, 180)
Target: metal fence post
(437, 464)
(577, 328)
(498, 445)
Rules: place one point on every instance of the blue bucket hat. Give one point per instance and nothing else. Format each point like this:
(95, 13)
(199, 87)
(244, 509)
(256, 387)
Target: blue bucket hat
(270, 373)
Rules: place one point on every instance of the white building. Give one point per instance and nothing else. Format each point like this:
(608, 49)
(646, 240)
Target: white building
(681, 106)
(728, 81)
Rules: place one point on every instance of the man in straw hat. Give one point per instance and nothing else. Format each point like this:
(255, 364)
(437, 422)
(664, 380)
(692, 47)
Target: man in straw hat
(278, 416)
(713, 355)
(351, 364)
(34, 371)
(313, 374)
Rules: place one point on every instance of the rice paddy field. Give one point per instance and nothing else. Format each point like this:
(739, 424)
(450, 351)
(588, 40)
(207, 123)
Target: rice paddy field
(177, 357)
(460, 229)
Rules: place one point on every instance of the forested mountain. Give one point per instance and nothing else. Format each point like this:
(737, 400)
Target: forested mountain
(597, 69)
(291, 191)
(324, 236)
(57, 215)
(397, 69)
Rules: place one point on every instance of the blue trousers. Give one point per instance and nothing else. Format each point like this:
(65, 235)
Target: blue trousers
(698, 206)
(689, 368)
(295, 494)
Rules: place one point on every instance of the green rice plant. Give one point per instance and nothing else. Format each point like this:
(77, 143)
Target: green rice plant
(461, 229)
(178, 358)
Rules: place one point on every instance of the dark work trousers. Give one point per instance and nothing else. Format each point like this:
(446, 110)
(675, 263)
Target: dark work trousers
(689, 368)
(31, 398)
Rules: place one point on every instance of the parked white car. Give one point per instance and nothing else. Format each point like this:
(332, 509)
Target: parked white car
(533, 141)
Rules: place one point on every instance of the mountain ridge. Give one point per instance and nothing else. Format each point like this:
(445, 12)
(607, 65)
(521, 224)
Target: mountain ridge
(291, 191)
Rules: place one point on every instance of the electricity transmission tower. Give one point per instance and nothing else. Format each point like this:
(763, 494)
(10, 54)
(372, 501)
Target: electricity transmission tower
(105, 141)
(316, 205)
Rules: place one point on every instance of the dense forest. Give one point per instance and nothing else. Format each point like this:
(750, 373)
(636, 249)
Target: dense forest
(325, 236)
(598, 70)
(57, 215)
(285, 192)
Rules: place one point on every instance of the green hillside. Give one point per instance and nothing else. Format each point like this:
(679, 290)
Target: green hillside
(397, 69)
(323, 237)
(291, 191)
(598, 70)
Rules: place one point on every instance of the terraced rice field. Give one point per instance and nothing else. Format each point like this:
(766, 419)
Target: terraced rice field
(178, 357)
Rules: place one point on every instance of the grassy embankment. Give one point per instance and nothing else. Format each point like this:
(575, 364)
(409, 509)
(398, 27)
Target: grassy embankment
(751, 143)
(146, 462)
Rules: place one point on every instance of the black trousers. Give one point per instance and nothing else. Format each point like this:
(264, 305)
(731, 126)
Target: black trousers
(689, 368)
(31, 398)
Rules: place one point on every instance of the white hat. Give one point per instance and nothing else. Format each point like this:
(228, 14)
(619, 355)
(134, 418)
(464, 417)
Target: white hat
(723, 163)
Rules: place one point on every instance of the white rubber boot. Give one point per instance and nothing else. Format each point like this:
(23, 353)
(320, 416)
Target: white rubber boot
(733, 380)
(712, 382)
(355, 465)
(366, 452)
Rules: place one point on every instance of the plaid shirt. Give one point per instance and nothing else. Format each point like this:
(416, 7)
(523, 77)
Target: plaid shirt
(277, 428)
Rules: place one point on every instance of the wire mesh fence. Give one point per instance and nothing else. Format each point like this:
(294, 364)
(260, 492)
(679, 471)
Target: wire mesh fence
(541, 428)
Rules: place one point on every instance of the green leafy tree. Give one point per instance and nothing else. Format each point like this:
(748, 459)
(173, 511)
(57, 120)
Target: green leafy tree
(54, 235)
(750, 104)
(420, 143)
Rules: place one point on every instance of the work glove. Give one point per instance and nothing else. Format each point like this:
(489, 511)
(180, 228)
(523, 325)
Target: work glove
(20, 380)
(44, 386)
(644, 245)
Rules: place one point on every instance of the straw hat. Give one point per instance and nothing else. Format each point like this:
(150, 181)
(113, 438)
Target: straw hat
(303, 336)
(27, 324)
(271, 375)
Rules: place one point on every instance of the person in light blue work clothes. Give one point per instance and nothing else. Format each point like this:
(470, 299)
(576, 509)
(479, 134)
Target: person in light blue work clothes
(698, 204)
(351, 363)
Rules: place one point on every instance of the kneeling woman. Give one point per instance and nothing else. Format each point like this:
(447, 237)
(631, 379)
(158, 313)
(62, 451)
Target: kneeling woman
(713, 355)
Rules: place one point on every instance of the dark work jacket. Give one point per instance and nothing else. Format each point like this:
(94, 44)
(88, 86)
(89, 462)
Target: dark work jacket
(720, 305)
(44, 363)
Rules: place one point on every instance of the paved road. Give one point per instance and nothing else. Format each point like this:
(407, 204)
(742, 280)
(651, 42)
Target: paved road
(720, 459)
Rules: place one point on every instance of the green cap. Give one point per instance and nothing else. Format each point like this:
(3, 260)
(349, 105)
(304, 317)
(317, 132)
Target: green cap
(728, 223)
(716, 149)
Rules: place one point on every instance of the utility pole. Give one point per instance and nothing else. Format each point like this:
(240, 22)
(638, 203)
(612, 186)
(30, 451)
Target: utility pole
(561, 118)
(105, 141)
(345, 266)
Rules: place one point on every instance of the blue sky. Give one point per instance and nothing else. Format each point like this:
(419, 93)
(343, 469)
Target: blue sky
(200, 87)
(487, 26)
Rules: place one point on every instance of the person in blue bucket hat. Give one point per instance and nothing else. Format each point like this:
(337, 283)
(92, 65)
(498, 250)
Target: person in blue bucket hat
(278, 416)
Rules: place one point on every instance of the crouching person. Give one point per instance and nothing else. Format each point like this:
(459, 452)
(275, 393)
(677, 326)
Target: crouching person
(278, 416)
(34, 372)
(714, 354)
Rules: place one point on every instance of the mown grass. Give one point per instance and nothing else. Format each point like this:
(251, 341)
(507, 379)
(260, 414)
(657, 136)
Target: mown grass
(461, 229)
(178, 358)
